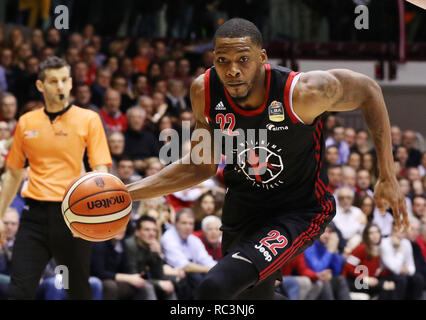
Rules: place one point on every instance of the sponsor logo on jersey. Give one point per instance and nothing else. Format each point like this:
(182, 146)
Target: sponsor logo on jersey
(31, 134)
(273, 127)
(220, 106)
(276, 111)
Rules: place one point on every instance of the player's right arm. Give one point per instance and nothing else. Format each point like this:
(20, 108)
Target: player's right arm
(10, 183)
(188, 171)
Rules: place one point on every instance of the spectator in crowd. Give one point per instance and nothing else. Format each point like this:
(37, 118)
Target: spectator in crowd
(397, 256)
(367, 206)
(8, 69)
(361, 142)
(8, 229)
(421, 239)
(323, 257)
(112, 117)
(72, 56)
(79, 76)
(211, 236)
(408, 141)
(363, 184)
(354, 160)
(349, 219)
(419, 259)
(349, 137)
(334, 173)
(82, 97)
(184, 250)
(5, 138)
(25, 85)
(110, 264)
(119, 83)
(401, 156)
(126, 170)
(413, 174)
(52, 286)
(145, 257)
(369, 163)
(364, 264)
(8, 110)
(349, 177)
(101, 84)
(396, 137)
(141, 85)
(338, 140)
(203, 207)
(116, 147)
(419, 207)
(404, 184)
(89, 56)
(332, 155)
(422, 165)
(176, 99)
(300, 282)
(140, 142)
(143, 58)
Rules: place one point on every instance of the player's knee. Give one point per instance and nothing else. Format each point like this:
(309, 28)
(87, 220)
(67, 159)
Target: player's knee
(211, 288)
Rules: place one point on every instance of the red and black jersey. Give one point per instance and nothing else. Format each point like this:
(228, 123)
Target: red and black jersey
(276, 168)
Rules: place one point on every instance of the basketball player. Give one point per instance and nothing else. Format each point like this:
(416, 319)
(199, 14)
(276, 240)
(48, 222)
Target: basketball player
(269, 218)
(53, 140)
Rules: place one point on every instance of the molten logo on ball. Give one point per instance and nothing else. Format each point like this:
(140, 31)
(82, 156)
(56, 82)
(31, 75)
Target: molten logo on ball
(105, 203)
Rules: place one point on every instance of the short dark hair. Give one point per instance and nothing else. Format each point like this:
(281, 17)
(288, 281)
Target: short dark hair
(182, 212)
(52, 62)
(143, 219)
(239, 28)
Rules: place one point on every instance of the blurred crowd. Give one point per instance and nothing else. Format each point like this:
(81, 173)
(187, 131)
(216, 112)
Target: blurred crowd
(141, 88)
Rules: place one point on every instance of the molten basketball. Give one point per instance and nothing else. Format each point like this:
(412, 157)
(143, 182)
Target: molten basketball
(96, 206)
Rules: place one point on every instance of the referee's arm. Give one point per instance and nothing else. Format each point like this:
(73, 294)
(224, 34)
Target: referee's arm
(10, 183)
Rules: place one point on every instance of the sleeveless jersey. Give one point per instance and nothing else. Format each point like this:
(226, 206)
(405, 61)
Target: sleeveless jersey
(274, 163)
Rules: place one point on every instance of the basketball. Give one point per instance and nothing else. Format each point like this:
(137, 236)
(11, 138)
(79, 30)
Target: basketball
(96, 206)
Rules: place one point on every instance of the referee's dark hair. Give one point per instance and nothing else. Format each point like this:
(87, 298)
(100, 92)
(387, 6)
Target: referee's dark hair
(239, 28)
(52, 62)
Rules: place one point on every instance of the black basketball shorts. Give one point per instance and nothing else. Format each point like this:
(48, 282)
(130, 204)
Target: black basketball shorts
(271, 242)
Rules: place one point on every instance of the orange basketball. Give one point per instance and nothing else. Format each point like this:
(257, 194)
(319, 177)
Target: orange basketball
(96, 206)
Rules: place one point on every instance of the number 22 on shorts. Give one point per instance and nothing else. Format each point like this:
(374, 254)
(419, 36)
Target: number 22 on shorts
(273, 241)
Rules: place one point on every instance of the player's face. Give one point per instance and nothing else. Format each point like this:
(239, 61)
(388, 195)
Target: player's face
(57, 85)
(238, 63)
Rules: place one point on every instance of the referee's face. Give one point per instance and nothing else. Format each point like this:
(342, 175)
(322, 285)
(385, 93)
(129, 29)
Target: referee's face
(56, 86)
(238, 62)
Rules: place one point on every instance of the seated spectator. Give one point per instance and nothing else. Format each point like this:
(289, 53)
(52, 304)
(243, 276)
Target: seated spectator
(8, 110)
(369, 163)
(419, 207)
(419, 259)
(5, 138)
(396, 137)
(397, 256)
(332, 155)
(4, 273)
(112, 117)
(119, 83)
(82, 97)
(349, 219)
(364, 264)
(367, 206)
(116, 147)
(203, 207)
(79, 72)
(145, 257)
(421, 239)
(211, 236)
(127, 174)
(53, 286)
(401, 156)
(361, 142)
(349, 137)
(363, 184)
(323, 256)
(338, 140)
(334, 173)
(110, 264)
(414, 155)
(176, 99)
(422, 165)
(354, 160)
(349, 177)
(184, 250)
(141, 85)
(299, 281)
(100, 86)
(140, 142)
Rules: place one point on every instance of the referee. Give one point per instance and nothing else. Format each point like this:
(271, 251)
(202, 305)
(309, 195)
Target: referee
(53, 140)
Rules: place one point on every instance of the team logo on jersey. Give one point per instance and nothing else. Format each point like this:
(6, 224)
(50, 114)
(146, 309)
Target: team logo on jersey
(262, 164)
(276, 111)
(31, 134)
(220, 106)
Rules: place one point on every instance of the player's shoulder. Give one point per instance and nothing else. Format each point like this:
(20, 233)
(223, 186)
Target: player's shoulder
(198, 95)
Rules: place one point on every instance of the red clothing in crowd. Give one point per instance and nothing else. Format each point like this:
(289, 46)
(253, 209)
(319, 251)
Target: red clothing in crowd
(422, 243)
(359, 257)
(299, 266)
(216, 253)
(116, 122)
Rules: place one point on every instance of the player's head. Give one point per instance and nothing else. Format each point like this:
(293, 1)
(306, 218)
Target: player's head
(54, 80)
(238, 56)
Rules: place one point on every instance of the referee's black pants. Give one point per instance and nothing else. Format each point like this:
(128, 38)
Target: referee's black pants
(42, 235)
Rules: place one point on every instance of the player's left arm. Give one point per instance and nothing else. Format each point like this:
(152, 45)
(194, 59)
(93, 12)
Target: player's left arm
(342, 90)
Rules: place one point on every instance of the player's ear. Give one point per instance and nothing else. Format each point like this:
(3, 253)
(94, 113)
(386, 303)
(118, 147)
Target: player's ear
(40, 86)
(263, 56)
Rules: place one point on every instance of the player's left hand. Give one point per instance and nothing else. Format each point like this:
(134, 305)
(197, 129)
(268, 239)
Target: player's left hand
(387, 193)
